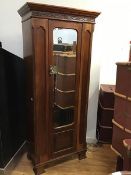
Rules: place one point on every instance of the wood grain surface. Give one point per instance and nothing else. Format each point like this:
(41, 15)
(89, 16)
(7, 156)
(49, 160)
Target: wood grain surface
(101, 160)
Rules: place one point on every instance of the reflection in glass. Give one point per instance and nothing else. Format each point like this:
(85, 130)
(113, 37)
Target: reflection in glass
(64, 70)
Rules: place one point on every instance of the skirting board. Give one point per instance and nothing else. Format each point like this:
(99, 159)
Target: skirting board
(91, 140)
(12, 163)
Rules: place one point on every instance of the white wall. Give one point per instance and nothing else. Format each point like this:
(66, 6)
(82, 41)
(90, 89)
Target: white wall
(116, 34)
(110, 44)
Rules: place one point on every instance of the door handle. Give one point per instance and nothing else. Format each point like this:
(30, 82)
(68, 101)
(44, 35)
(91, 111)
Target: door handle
(53, 70)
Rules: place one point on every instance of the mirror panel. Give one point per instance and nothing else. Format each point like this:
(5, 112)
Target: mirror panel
(64, 73)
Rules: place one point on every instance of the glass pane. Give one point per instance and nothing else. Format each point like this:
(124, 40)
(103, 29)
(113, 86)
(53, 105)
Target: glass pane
(64, 70)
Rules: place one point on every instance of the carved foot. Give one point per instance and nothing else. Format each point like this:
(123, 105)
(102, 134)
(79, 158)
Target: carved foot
(82, 155)
(39, 170)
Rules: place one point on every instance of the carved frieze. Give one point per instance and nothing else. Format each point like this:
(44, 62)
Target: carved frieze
(63, 16)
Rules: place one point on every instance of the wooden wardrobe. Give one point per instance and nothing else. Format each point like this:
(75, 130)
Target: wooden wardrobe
(57, 53)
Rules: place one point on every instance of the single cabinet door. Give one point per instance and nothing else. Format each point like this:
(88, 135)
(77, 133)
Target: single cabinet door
(64, 80)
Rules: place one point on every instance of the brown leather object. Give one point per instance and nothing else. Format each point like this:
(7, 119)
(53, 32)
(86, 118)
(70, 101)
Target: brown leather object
(64, 100)
(117, 138)
(105, 116)
(119, 134)
(122, 77)
(128, 116)
(104, 133)
(122, 112)
(62, 47)
(106, 95)
(119, 110)
(66, 63)
(105, 113)
(127, 144)
(65, 82)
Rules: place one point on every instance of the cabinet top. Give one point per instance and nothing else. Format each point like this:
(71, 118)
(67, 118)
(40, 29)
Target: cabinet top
(43, 10)
(124, 63)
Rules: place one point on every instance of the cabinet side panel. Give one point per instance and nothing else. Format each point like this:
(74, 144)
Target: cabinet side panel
(28, 60)
(40, 40)
(84, 82)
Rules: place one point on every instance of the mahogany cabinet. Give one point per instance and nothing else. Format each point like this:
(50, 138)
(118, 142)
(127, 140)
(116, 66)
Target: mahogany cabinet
(57, 53)
(105, 113)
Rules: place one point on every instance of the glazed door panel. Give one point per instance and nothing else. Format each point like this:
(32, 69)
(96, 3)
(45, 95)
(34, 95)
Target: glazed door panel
(64, 61)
